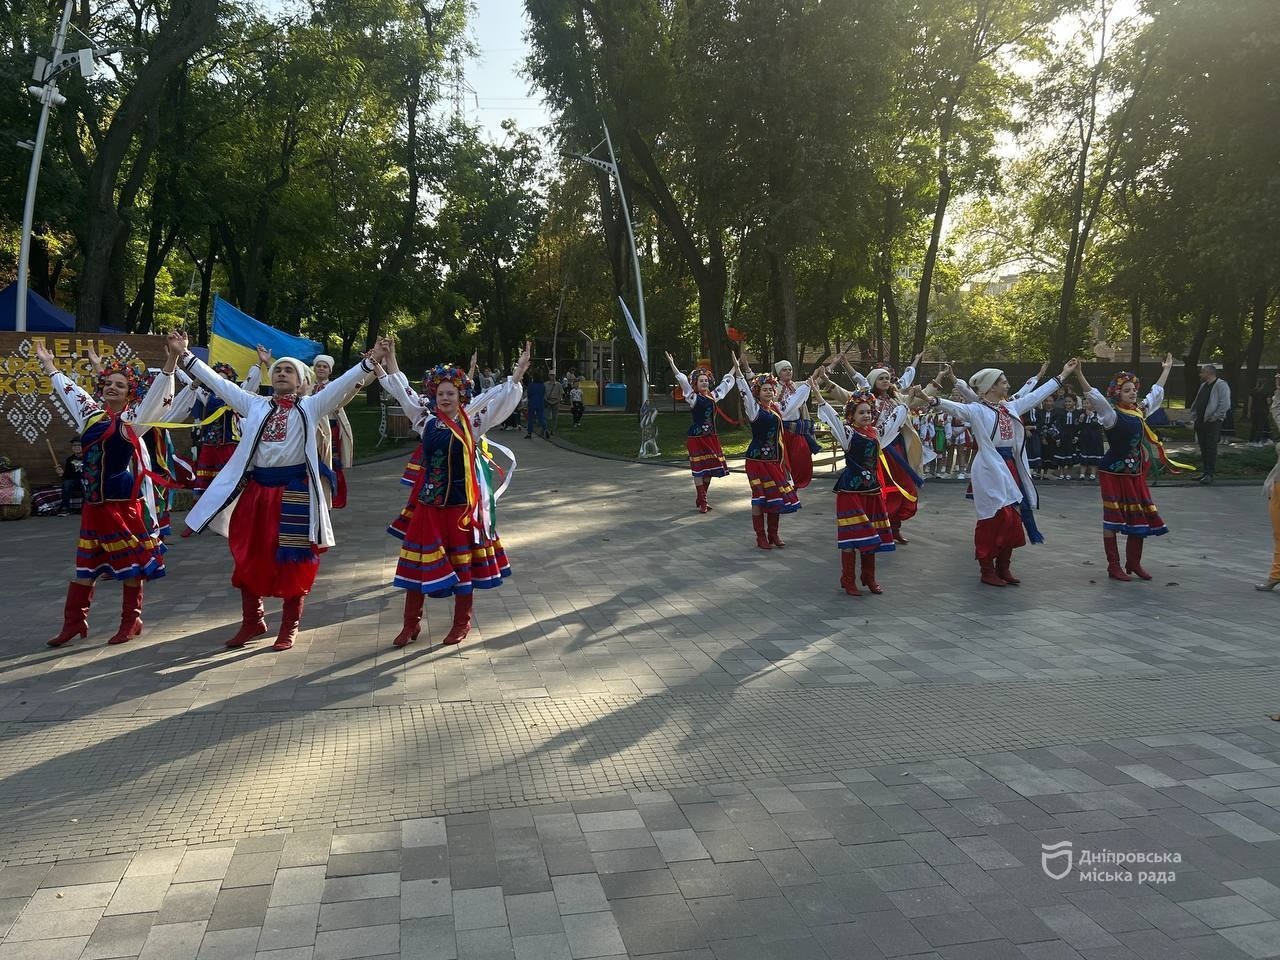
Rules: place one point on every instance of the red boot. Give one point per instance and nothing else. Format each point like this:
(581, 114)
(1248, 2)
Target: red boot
(773, 530)
(1133, 558)
(762, 541)
(1114, 570)
(290, 617)
(701, 501)
(413, 600)
(75, 612)
(869, 573)
(849, 572)
(461, 619)
(1002, 567)
(130, 614)
(989, 575)
(706, 489)
(253, 620)
(897, 534)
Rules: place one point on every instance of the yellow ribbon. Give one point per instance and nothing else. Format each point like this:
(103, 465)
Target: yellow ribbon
(889, 475)
(1154, 440)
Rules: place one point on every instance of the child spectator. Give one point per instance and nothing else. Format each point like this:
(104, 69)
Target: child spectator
(575, 402)
(70, 472)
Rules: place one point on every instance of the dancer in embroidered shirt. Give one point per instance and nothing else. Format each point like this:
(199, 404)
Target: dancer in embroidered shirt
(862, 519)
(119, 534)
(451, 545)
(772, 492)
(706, 458)
(341, 437)
(1003, 493)
(268, 500)
(1127, 506)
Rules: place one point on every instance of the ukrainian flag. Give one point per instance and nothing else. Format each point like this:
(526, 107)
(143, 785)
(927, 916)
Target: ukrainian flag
(236, 335)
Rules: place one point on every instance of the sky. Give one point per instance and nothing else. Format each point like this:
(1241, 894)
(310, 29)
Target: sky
(497, 93)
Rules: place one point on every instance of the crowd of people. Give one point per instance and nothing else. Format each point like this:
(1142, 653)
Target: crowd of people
(269, 468)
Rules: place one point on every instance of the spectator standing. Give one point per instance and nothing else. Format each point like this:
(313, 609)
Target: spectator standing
(575, 403)
(1212, 402)
(555, 393)
(486, 379)
(536, 391)
(71, 474)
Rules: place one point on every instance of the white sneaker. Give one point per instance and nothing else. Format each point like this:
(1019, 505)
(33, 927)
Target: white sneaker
(960, 476)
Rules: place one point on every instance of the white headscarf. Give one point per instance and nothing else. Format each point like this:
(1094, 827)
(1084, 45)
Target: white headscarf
(324, 358)
(780, 366)
(875, 375)
(985, 379)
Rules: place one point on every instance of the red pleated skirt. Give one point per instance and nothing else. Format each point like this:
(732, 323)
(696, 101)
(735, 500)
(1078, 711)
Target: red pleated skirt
(706, 458)
(862, 522)
(115, 542)
(799, 459)
(771, 488)
(211, 458)
(254, 536)
(1127, 506)
(439, 555)
(901, 492)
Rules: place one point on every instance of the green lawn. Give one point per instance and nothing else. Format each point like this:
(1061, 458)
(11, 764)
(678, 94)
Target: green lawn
(619, 434)
(364, 428)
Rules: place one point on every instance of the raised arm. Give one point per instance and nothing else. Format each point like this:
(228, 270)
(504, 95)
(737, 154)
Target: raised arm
(798, 398)
(722, 391)
(339, 392)
(1020, 405)
(494, 406)
(893, 426)
(749, 405)
(232, 394)
(152, 407)
(909, 375)
(686, 388)
(77, 402)
(413, 405)
(827, 414)
(1031, 384)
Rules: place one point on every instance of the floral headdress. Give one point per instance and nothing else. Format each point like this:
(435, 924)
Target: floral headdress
(856, 399)
(759, 380)
(1119, 380)
(697, 372)
(134, 372)
(222, 368)
(446, 373)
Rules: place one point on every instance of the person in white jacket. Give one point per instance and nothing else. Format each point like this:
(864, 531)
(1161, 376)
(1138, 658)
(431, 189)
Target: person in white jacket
(267, 501)
(1003, 493)
(119, 531)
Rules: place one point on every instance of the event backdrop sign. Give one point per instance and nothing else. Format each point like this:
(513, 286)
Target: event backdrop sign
(31, 421)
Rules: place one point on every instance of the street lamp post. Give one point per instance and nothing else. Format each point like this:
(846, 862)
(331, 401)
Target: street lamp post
(45, 90)
(48, 95)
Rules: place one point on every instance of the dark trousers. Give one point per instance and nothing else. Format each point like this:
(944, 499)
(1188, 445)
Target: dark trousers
(1207, 434)
(536, 413)
(578, 409)
(69, 487)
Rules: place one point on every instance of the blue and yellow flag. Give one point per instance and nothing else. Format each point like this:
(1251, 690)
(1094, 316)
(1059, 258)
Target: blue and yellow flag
(236, 335)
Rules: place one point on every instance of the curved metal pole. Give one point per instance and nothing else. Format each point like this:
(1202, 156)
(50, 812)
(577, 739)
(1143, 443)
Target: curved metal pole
(47, 91)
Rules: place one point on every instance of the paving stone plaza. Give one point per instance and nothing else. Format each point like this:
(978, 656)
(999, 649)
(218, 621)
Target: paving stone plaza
(658, 742)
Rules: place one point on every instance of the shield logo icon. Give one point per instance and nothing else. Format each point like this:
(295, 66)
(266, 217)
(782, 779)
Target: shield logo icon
(1062, 853)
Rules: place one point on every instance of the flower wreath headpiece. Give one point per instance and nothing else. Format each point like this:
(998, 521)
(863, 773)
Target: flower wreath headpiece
(856, 399)
(1119, 380)
(447, 373)
(132, 371)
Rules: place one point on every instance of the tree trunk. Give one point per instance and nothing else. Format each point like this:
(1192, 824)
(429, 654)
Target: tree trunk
(931, 254)
(181, 35)
(895, 321)
(1253, 359)
(1191, 359)
(1135, 332)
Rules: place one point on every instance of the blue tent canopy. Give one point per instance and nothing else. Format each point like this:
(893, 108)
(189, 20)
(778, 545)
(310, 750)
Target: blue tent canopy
(42, 316)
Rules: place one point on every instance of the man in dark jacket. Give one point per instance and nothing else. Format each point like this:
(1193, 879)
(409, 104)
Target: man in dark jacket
(1212, 402)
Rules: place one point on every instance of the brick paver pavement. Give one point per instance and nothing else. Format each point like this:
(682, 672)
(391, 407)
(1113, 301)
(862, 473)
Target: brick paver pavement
(658, 741)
